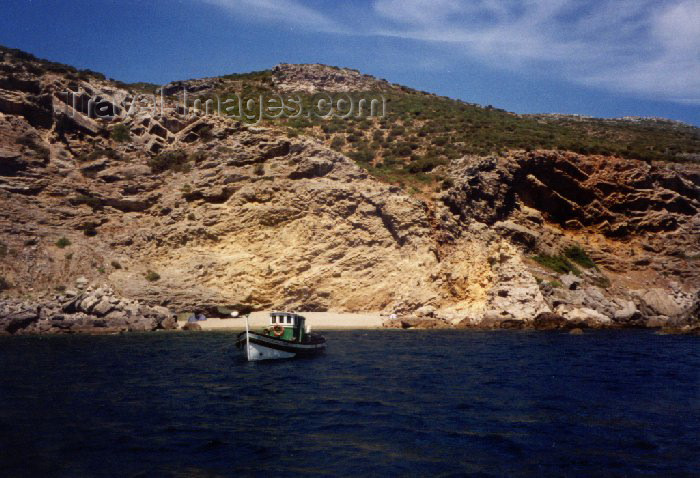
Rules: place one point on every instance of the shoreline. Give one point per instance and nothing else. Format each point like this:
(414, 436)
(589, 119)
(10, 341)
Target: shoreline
(375, 321)
(316, 320)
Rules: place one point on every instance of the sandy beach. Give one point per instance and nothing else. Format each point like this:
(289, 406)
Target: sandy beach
(316, 320)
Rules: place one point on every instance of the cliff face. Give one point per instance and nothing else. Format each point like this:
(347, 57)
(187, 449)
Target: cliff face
(636, 223)
(201, 211)
(638, 214)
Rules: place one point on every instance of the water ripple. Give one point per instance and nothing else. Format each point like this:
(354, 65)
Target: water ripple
(385, 403)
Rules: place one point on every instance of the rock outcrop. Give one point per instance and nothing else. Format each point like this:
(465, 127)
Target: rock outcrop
(322, 78)
(199, 211)
(92, 311)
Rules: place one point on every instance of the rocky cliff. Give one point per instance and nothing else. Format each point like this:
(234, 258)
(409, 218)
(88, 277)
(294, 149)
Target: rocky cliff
(199, 211)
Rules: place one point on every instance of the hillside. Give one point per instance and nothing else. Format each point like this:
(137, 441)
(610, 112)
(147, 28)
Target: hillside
(423, 131)
(445, 212)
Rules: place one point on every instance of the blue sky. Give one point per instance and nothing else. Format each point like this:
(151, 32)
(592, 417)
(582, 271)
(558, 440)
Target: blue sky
(595, 57)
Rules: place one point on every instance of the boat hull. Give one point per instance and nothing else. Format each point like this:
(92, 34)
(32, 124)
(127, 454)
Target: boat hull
(264, 347)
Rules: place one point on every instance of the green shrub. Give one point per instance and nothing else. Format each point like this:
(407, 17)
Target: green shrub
(60, 289)
(390, 161)
(337, 143)
(206, 133)
(440, 141)
(97, 153)
(425, 165)
(579, 256)
(34, 143)
(402, 149)
(397, 131)
(90, 229)
(62, 243)
(86, 74)
(120, 133)
(259, 169)
(447, 184)
(198, 156)
(362, 156)
(4, 284)
(557, 263)
(152, 276)
(177, 161)
(603, 282)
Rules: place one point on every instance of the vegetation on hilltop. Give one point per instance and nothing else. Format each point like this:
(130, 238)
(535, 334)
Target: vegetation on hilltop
(38, 65)
(422, 132)
(419, 126)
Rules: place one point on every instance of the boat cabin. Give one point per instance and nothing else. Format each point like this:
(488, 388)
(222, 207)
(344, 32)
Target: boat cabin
(287, 326)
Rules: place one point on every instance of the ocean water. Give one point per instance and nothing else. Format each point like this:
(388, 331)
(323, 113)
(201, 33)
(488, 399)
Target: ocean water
(378, 403)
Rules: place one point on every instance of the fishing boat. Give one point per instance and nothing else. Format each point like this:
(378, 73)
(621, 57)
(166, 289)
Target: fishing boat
(287, 336)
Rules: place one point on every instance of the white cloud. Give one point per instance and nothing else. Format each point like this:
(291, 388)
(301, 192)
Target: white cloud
(648, 48)
(289, 12)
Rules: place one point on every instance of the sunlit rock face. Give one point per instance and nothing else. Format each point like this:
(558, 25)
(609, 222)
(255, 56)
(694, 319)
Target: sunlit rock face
(228, 214)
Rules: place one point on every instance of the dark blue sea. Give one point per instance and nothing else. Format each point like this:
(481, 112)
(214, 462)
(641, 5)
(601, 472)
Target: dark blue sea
(378, 403)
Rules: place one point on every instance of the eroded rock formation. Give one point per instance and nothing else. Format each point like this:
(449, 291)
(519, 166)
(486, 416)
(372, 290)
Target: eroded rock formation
(198, 211)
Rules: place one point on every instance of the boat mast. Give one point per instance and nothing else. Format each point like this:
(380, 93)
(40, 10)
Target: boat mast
(247, 338)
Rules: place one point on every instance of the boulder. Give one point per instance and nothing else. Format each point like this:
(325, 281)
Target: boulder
(169, 323)
(627, 311)
(594, 298)
(18, 321)
(570, 281)
(77, 122)
(158, 130)
(656, 321)
(682, 330)
(549, 321)
(590, 317)
(691, 315)
(512, 324)
(103, 307)
(117, 317)
(88, 303)
(72, 305)
(142, 324)
(417, 323)
(11, 162)
(656, 301)
(517, 233)
(491, 316)
(426, 311)
(191, 326)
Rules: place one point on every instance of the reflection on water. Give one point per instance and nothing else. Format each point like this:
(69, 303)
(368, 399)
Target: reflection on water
(377, 403)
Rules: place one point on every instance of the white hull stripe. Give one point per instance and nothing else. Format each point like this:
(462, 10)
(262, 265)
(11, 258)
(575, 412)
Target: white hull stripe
(260, 352)
(287, 345)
